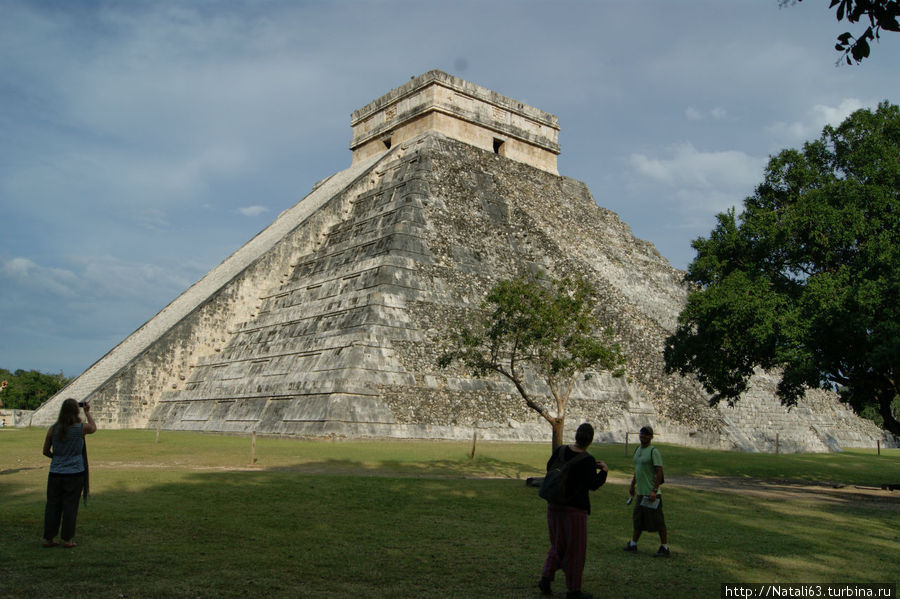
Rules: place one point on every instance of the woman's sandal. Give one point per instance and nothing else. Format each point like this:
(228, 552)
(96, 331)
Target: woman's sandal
(70, 544)
(50, 544)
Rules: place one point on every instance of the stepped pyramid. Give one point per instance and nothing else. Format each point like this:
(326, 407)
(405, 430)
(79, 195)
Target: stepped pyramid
(330, 321)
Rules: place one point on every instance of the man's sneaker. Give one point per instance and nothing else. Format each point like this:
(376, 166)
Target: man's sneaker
(662, 552)
(544, 585)
(578, 595)
(630, 547)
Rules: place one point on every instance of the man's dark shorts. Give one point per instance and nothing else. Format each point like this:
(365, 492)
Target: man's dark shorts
(648, 519)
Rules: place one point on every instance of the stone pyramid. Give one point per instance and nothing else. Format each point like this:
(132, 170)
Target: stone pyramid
(330, 321)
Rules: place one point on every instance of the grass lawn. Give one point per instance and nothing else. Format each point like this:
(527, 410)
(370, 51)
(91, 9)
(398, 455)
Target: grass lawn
(191, 517)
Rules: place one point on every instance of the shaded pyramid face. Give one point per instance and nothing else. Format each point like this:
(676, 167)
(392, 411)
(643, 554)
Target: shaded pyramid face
(346, 340)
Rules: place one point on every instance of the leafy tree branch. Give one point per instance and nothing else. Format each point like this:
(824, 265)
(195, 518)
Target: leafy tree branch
(547, 326)
(881, 15)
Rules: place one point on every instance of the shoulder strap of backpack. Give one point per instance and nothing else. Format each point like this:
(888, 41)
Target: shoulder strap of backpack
(578, 457)
(561, 457)
(558, 458)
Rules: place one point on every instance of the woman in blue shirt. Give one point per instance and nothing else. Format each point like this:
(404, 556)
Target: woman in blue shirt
(64, 445)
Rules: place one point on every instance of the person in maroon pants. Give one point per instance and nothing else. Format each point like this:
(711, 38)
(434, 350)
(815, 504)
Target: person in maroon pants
(567, 522)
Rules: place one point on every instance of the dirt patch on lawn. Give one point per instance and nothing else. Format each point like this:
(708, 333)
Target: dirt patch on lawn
(830, 492)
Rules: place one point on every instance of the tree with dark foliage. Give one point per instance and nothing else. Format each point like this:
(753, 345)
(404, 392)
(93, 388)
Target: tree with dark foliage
(807, 278)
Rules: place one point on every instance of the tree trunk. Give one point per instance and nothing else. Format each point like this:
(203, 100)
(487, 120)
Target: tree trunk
(885, 399)
(559, 426)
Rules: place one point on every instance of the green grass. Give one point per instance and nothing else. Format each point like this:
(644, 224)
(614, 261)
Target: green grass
(190, 517)
(852, 466)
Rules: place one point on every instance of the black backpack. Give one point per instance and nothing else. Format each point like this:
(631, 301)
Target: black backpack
(553, 489)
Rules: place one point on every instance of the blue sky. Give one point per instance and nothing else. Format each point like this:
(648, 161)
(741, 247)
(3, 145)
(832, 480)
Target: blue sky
(143, 142)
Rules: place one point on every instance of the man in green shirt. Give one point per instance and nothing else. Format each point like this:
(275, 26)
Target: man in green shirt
(648, 509)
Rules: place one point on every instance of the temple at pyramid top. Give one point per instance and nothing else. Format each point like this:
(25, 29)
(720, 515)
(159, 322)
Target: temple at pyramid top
(461, 110)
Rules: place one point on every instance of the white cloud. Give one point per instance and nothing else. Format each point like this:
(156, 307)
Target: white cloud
(834, 115)
(95, 278)
(153, 219)
(111, 277)
(253, 210)
(810, 126)
(209, 163)
(685, 165)
(694, 114)
(17, 267)
(698, 180)
(26, 276)
(718, 113)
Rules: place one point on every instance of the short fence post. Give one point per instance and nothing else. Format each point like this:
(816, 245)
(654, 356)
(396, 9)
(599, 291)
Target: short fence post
(474, 438)
(626, 443)
(777, 444)
(252, 448)
(879, 446)
(158, 425)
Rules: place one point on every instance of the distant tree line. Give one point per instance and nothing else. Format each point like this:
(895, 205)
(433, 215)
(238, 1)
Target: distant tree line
(28, 389)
